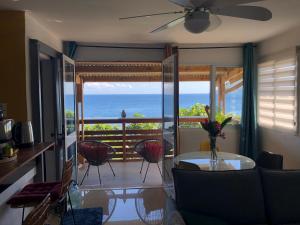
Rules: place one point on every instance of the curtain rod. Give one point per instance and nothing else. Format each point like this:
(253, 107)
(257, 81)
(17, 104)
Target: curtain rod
(156, 48)
(217, 47)
(119, 47)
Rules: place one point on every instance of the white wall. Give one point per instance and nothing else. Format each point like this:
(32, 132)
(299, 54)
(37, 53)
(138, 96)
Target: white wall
(287, 144)
(190, 139)
(217, 56)
(119, 54)
(283, 43)
(35, 30)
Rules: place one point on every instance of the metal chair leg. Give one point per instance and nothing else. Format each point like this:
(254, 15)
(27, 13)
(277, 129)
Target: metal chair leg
(159, 170)
(71, 206)
(99, 174)
(61, 214)
(111, 168)
(166, 171)
(23, 212)
(146, 173)
(86, 172)
(142, 166)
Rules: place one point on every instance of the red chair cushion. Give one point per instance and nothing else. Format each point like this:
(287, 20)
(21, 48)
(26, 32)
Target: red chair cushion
(35, 193)
(153, 151)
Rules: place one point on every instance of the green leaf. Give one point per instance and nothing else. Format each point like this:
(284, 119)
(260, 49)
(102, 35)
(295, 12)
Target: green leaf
(223, 124)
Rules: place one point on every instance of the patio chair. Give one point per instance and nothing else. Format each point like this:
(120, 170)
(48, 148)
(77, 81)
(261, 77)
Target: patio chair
(33, 194)
(270, 160)
(151, 151)
(96, 154)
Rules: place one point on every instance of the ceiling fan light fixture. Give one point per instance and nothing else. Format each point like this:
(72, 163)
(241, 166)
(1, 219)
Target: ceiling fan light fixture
(197, 22)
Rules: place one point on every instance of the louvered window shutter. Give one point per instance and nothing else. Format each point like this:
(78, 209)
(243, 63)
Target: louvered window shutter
(277, 94)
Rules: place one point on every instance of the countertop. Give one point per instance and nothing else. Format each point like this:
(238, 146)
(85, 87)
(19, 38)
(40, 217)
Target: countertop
(25, 155)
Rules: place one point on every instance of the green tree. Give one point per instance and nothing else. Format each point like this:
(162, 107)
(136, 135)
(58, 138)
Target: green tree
(142, 126)
(195, 110)
(198, 109)
(69, 114)
(96, 127)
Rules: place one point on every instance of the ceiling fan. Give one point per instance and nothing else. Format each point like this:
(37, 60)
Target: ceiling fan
(202, 15)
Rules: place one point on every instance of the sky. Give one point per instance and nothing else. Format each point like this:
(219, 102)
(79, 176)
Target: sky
(100, 88)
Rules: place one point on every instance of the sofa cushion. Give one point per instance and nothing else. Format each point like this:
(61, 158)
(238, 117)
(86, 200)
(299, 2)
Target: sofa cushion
(197, 219)
(232, 196)
(282, 196)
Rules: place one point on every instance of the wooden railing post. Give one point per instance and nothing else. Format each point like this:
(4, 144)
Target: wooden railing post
(123, 115)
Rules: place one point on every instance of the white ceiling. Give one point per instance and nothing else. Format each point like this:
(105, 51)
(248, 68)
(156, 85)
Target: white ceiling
(97, 21)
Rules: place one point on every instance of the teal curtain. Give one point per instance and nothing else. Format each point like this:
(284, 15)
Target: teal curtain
(249, 132)
(69, 48)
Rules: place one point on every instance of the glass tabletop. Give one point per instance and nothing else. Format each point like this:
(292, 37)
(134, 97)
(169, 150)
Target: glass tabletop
(226, 161)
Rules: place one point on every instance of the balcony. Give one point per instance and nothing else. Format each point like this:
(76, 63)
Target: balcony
(130, 131)
(126, 162)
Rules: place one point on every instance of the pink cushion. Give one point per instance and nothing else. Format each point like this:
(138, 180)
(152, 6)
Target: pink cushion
(35, 192)
(153, 151)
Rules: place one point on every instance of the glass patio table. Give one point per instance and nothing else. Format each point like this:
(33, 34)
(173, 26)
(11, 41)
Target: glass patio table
(226, 161)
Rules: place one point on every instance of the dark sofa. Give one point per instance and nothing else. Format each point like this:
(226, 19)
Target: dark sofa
(245, 197)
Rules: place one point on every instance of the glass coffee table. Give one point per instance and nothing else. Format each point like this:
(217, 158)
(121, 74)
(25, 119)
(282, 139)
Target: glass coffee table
(226, 161)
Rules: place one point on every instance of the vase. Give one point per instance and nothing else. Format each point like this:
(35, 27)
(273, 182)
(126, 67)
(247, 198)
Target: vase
(213, 149)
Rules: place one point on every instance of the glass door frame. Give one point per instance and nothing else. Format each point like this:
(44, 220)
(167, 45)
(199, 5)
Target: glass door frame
(169, 135)
(69, 138)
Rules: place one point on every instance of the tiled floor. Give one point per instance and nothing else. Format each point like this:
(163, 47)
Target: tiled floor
(127, 175)
(125, 199)
(126, 206)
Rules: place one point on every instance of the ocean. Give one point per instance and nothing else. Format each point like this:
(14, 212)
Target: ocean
(150, 105)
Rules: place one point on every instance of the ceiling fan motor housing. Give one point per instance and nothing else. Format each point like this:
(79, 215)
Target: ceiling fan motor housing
(197, 21)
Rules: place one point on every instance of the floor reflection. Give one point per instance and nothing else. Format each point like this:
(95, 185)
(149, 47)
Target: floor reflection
(125, 206)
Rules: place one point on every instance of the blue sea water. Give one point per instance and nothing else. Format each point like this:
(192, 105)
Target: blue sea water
(150, 105)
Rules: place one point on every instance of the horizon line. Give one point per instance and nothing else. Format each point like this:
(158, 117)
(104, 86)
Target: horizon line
(144, 94)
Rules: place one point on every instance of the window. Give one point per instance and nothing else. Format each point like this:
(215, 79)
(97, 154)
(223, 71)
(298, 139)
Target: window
(195, 92)
(277, 91)
(229, 92)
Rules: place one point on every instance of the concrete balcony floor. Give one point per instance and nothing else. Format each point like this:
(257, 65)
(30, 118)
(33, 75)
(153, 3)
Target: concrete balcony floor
(127, 175)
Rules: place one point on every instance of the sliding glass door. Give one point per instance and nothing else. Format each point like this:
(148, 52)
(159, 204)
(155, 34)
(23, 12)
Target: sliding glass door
(69, 111)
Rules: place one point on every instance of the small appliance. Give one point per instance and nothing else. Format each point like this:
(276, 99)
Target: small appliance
(6, 126)
(22, 134)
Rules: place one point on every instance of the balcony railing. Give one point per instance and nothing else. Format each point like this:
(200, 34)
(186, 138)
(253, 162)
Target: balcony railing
(125, 138)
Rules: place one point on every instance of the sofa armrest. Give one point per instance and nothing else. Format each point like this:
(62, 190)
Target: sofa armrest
(175, 218)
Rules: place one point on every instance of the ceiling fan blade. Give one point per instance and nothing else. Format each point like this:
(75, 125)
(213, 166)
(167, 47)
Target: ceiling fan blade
(149, 15)
(183, 3)
(215, 22)
(225, 3)
(246, 12)
(169, 25)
